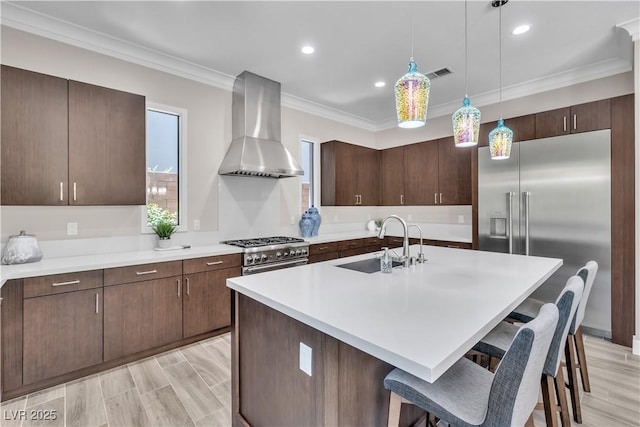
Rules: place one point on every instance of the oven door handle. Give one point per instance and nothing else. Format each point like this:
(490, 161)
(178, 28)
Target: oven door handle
(274, 266)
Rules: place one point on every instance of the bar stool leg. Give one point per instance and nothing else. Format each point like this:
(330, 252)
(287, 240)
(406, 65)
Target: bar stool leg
(562, 398)
(395, 404)
(572, 373)
(582, 360)
(549, 405)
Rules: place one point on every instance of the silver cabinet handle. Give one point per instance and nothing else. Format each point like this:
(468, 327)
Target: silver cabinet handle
(71, 282)
(74, 192)
(356, 199)
(178, 283)
(142, 273)
(322, 248)
(188, 287)
(402, 199)
(97, 303)
(435, 198)
(215, 263)
(510, 195)
(440, 198)
(564, 123)
(62, 191)
(575, 122)
(526, 196)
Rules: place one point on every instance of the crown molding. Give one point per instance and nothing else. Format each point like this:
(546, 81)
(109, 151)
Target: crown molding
(323, 111)
(632, 27)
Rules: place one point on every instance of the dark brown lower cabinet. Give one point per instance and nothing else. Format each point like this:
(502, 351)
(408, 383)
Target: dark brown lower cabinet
(62, 333)
(206, 299)
(142, 315)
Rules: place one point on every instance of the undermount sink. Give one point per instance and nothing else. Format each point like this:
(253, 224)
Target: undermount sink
(368, 266)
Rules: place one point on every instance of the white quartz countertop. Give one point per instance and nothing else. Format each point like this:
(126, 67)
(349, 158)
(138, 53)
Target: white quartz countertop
(421, 319)
(108, 260)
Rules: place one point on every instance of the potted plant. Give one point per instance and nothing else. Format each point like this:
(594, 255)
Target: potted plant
(164, 229)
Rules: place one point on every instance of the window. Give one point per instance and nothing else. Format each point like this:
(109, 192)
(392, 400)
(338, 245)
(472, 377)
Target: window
(165, 129)
(306, 161)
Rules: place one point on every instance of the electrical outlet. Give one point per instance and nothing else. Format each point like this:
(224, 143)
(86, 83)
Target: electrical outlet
(72, 229)
(306, 355)
(461, 219)
(196, 224)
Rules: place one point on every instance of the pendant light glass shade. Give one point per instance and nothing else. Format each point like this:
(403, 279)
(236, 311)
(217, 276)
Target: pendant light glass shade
(412, 98)
(500, 140)
(466, 125)
(466, 121)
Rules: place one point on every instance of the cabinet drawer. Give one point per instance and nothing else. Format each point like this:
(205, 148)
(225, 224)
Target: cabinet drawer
(197, 265)
(394, 242)
(343, 245)
(138, 273)
(373, 241)
(323, 257)
(61, 283)
(323, 248)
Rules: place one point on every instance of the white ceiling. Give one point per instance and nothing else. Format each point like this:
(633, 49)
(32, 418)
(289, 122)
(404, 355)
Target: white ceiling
(357, 43)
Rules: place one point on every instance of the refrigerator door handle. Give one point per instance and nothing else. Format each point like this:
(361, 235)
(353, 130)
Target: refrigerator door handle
(510, 195)
(526, 201)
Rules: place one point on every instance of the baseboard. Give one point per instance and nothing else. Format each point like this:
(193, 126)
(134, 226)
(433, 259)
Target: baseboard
(636, 345)
(595, 332)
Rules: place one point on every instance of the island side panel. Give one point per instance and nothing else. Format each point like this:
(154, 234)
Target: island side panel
(268, 388)
(272, 388)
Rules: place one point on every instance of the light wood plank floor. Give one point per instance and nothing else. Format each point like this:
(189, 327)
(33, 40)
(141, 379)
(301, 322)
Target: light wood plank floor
(190, 386)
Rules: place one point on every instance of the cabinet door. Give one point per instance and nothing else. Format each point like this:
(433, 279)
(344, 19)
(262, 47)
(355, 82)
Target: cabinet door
(62, 333)
(143, 315)
(368, 176)
(207, 301)
(591, 116)
(553, 123)
(34, 138)
(107, 163)
(421, 173)
(454, 173)
(392, 171)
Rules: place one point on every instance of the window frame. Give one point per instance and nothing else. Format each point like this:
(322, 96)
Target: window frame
(315, 176)
(182, 161)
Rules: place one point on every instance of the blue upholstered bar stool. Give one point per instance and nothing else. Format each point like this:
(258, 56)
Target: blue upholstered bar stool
(496, 343)
(469, 395)
(574, 351)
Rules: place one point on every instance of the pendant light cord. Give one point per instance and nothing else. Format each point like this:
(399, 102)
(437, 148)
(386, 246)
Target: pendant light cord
(466, 60)
(411, 21)
(500, 56)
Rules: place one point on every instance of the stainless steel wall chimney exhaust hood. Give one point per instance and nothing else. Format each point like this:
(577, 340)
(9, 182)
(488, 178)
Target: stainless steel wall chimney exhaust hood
(255, 148)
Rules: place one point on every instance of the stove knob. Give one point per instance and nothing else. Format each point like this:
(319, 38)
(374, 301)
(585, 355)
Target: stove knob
(278, 255)
(298, 252)
(285, 254)
(249, 259)
(263, 258)
(304, 251)
(255, 259)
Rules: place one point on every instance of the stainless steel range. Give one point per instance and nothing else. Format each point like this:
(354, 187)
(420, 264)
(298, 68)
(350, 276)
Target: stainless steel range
(271, 253)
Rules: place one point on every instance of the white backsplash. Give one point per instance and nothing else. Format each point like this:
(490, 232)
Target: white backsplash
(248, 207)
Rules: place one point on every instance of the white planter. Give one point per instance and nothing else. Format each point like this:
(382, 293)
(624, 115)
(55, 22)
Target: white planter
(164, 243)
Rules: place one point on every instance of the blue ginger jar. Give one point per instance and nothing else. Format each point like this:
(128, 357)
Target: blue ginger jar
(306, 225)
(317, 219)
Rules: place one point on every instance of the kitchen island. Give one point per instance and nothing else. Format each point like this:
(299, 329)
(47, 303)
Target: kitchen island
(358, 326)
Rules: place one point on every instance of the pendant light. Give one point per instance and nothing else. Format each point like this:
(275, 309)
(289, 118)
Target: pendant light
(412, 93)
(501, 138)
(466, 121)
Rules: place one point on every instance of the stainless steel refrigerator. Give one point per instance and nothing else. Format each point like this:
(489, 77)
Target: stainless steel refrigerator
(552, 198)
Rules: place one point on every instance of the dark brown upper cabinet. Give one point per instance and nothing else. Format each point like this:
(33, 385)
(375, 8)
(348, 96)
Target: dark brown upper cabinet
(350, 175)
(392, 176)
(578, 118)
(70, 143)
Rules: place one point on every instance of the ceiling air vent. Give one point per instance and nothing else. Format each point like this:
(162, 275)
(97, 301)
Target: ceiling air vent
(439, 73)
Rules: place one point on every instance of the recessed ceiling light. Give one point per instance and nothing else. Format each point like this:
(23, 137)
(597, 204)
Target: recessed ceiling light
(521, 29)
(379, 84)
(308, 50)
